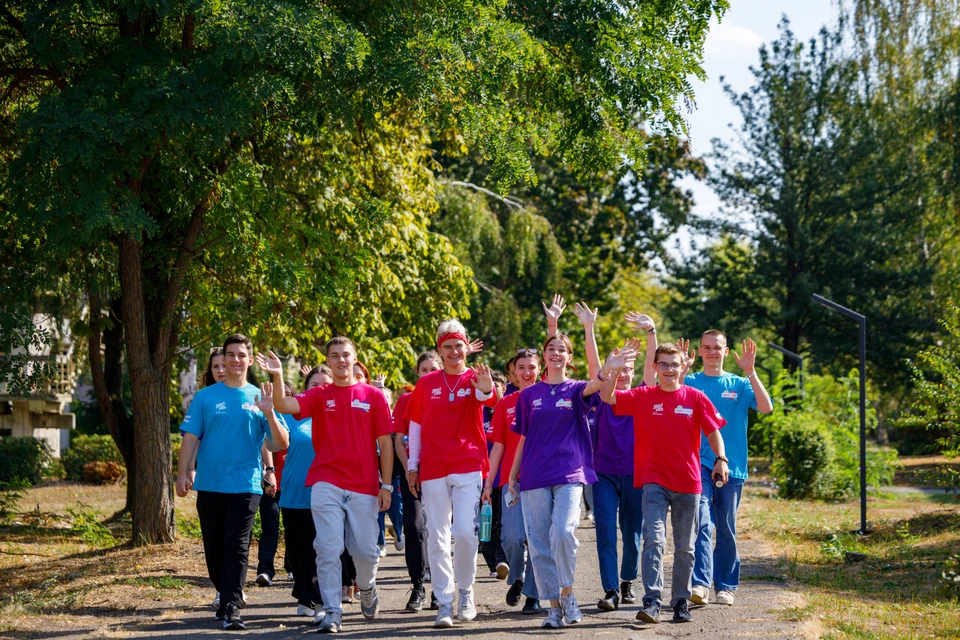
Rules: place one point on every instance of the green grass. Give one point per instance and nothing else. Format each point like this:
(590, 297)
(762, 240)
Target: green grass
(157, 582)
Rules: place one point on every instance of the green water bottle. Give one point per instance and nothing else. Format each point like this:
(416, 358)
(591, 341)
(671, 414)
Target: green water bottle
(486, 522)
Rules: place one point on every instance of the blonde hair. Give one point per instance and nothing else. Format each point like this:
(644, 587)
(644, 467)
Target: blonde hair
(450, 326)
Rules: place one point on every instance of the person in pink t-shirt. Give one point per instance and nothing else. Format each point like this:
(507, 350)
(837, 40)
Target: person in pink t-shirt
(349, 420)
(668, 420)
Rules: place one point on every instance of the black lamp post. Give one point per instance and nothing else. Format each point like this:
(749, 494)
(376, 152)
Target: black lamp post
(796, 357)
(862, 321)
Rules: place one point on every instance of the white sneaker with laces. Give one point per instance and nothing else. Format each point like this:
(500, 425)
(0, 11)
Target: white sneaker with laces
(264, 580)
(571, 610)
(725, 597)
(700, 595)
(304, 610)
(346, 595)
(216, 600)
(318, 616)
(444, 617)
(554, 619)
(383, 551)
(468, 610)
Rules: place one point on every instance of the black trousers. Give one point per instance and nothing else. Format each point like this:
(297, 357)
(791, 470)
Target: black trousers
(492, 551)
(226, 520)
(348, 570)
(299, 533)
(415, 551)
(269, 534)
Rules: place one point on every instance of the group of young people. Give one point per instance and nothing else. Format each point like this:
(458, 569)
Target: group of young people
(644, 449)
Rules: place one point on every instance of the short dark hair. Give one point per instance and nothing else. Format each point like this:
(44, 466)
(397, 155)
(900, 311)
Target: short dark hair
(339, 340)
(319, 369)
(498, 377)
(429, 355)
(512, 361)
(238, 338)
(667, 349)
(714, 332)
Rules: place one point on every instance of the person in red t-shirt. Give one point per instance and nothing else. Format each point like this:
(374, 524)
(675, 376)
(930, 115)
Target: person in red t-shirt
(349, 420)
(447, 462)
(668, 420)
(513, 538)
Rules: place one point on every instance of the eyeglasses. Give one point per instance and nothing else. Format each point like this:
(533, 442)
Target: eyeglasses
(669, 366)
(522, 353)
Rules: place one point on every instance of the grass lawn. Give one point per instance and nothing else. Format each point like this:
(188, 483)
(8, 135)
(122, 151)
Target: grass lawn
(892, 592)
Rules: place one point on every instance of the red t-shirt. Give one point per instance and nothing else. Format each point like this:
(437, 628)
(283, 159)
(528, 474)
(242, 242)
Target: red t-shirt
(400, 422)
(452, 439)
(279, 458)
(346, 424)
(504, 416)
(667, 426)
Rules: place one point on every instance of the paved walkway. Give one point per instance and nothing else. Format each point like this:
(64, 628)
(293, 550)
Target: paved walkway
(270, 610)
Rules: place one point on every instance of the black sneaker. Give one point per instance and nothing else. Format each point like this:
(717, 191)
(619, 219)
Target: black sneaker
(232, 620)
(417, 599)
(650, 612)
(681, 612)
(530, 607)
(514, 593)
(627, 596)
(434, 605)
(610, 601)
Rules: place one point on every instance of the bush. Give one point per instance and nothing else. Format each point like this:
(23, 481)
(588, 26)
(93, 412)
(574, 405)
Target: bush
(84, 449)
(23, 459)
(803, 456)
(103, 472)
(175, 442)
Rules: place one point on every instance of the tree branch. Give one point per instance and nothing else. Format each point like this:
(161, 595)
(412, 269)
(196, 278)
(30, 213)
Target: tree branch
(14, 22)
(96, 367)
(189, 26)
(507, 200)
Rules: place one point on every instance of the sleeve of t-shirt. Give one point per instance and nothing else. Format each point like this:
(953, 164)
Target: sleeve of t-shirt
(382, 422)
(500, 423)
(193, 420)
(522, 416)
(627, 402)
(583, 407)
(308, 402)
(708, 418)
(748, 395)
(592, 400)
(400, 414)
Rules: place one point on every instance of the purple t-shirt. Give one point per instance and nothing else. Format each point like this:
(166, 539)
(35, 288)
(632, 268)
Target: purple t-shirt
(557, 450)
(612, 440)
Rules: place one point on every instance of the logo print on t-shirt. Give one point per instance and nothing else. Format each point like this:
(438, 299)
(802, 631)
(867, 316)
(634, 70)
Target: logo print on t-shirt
(658, 409)
(222, 406)
(331, 405)
(564, 404)
(435, 392)
(536, 403)
(683, 411)
(249, 406)
(356, 404)
(511, 411)
(730, 395)
(462, 392)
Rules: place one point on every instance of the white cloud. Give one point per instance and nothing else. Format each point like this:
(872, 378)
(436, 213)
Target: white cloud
(726, 39)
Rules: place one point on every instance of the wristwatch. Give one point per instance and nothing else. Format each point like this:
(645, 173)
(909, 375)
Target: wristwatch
(388, 487)
(265, 469)
(723, 459)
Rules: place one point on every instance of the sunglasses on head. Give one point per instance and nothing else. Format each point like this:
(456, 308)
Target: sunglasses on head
(521, 353)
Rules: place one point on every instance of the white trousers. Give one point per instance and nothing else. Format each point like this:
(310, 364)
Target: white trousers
(454, 498)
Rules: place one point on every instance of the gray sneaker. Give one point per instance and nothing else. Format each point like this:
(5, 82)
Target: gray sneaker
(554, 619)
(571, 612)
(370, 602)
(468, 610)
(331, 622)
(444, 617)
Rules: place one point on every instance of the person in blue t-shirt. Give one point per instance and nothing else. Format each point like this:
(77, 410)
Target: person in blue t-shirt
(225, 427)
(733, 396)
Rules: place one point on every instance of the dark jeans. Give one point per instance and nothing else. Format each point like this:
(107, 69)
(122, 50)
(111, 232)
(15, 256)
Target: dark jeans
(492, 551)
(395, 512)
(415, 552)
(269, 534)
(348, 570)
(298, 533)
(226, 520)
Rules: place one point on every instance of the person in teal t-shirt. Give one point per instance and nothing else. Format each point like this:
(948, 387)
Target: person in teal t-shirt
(225, 427)
(733, 396)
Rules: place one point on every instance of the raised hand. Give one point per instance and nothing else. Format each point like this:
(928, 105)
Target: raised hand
(587, 317)
(379, 381)
(483, 380)
(620, 358)
(748, 360)
(265, 401)
(555, 309)
(270, 363)
(475, 347)
(639, 321)
(305, 369)
(689, 354)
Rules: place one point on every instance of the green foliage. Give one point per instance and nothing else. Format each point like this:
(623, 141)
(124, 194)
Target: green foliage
(176, 440)
(87, 526)
(157, 582)
(104, 472)
(86, 449)
(189, 527)
(803, 457)
(23, 459)
(950, 578)
(10, 496)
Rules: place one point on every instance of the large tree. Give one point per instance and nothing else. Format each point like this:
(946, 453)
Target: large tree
(147, 145)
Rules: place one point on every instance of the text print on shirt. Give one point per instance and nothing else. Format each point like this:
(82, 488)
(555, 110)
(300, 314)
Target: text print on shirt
(683, 411)
(365, 406)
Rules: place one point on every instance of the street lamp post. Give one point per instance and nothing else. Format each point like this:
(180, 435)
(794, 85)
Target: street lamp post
(862, 321)
(796, 357)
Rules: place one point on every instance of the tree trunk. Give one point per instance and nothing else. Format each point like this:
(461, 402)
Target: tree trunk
(153, 515)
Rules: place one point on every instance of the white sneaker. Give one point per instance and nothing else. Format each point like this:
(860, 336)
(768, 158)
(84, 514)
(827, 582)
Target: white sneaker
(725, 597)
(426, 575)
(554, 619)
(318, 616)
(383, 550)
(444, 617)
(243, 597)
(571, 610)
(304, 610)
(346, 595)
(216, 600)
(468, 610)
(264, 580)
(332, 623)
(700, 595)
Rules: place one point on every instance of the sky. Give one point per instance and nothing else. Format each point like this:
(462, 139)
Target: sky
(730, 50)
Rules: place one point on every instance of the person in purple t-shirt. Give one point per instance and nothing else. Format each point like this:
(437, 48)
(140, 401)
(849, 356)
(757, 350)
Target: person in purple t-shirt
(614, 491)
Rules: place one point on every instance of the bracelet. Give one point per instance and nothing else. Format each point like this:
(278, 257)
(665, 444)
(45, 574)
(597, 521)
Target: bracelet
(266, 469)
(388, 487)
(600, 376)
(654, 330)
(193, 469)
(723, 459)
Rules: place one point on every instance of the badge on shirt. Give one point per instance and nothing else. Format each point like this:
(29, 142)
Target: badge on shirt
(683, 411)
(564, 404)
(249, 406)
(364, 406)
(730, 395)
(462, 392)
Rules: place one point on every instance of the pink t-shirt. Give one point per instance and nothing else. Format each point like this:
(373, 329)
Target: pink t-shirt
(346, 424)
(667, 425)
(452, 439)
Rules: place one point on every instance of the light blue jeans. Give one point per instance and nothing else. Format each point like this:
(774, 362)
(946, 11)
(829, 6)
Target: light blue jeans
(513, 540)
(344, 519)
(684, 511)
(550, 517)
(613, 494)
(718, 567)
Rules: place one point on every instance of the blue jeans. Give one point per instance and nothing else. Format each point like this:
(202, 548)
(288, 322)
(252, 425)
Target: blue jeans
(396, 515)
(684, 511)
(610, 495)
(718, 567)
(513, 539)
(550, 517)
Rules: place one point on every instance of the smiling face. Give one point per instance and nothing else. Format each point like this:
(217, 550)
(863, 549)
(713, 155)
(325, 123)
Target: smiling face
(428, 365)
(217, 368)
(359, 374)
(668, 367)
(526, 371)
(713, 349)
(454, 352)
(625, 379)
(341, 358)
(237, 360)
(557, 355)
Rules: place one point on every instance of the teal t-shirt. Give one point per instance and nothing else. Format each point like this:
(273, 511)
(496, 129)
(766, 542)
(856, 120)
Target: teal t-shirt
(733, 397)
(294, 494)
(231, 429)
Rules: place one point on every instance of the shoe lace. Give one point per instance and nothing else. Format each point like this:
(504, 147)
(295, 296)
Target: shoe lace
(367, 597)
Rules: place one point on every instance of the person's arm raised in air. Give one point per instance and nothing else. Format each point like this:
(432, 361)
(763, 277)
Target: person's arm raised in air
(553, 313)
(279, 436)
(271, 364)
(588, 319)
(689, 355)
(596, 383)
(615, 361)
(644, 323)
(747, 362)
